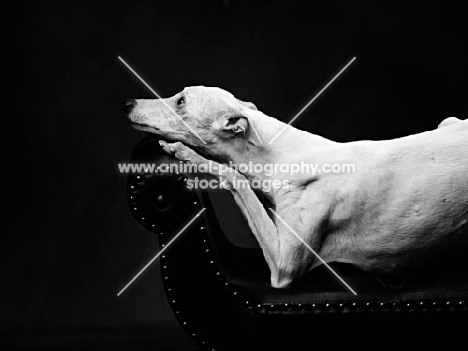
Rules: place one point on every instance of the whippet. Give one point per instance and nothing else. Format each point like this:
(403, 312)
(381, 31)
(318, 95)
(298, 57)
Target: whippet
(406, 201)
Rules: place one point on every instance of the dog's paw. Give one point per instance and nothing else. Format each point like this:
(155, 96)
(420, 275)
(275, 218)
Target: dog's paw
(182, 152)
(225, 174)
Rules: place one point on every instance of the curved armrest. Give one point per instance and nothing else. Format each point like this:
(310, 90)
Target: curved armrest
(158, 200)
(193, 281)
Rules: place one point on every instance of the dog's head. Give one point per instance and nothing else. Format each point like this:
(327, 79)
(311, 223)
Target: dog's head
(196, 116)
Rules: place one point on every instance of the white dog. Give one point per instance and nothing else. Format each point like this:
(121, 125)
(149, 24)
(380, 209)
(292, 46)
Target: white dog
(406, 202)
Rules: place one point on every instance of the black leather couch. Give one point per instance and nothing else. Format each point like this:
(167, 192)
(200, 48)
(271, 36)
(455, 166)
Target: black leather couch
(217, 282)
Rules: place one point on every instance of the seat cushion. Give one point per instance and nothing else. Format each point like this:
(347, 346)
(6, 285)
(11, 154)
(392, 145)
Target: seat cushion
(318, 286)
(447, 283)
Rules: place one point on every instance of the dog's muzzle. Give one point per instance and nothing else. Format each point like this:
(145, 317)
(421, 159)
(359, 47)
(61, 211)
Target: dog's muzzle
(128, 105)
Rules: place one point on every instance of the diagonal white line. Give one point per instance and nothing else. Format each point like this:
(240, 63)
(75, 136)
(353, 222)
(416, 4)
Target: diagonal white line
(311, 101)
(160, 252)
(159, 97)
(258, 136)
(312, 250)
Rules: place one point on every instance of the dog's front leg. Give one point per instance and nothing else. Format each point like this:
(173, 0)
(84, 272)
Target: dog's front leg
(262, 226)
(285, 255)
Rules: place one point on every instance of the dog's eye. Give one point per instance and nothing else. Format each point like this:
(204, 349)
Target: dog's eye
(181, 101)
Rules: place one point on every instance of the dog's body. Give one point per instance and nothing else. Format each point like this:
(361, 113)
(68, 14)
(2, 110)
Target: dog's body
(406, 201)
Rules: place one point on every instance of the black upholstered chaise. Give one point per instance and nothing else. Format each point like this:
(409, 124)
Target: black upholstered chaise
(217, 282)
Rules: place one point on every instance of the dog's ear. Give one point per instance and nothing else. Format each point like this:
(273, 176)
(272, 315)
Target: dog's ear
(240, 123)
(248, 104)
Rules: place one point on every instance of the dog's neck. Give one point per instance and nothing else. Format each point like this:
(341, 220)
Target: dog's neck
(275, 149)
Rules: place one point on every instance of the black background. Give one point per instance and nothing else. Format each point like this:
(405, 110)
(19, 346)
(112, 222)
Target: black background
(69, 242)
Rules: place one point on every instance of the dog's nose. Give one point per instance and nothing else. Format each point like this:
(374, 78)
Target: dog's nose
(128, 105)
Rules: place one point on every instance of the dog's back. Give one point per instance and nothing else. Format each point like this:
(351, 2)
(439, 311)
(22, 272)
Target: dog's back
(411, 199)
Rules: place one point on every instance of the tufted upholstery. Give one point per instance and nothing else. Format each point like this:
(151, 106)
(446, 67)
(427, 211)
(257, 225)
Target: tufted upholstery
(217, 281)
